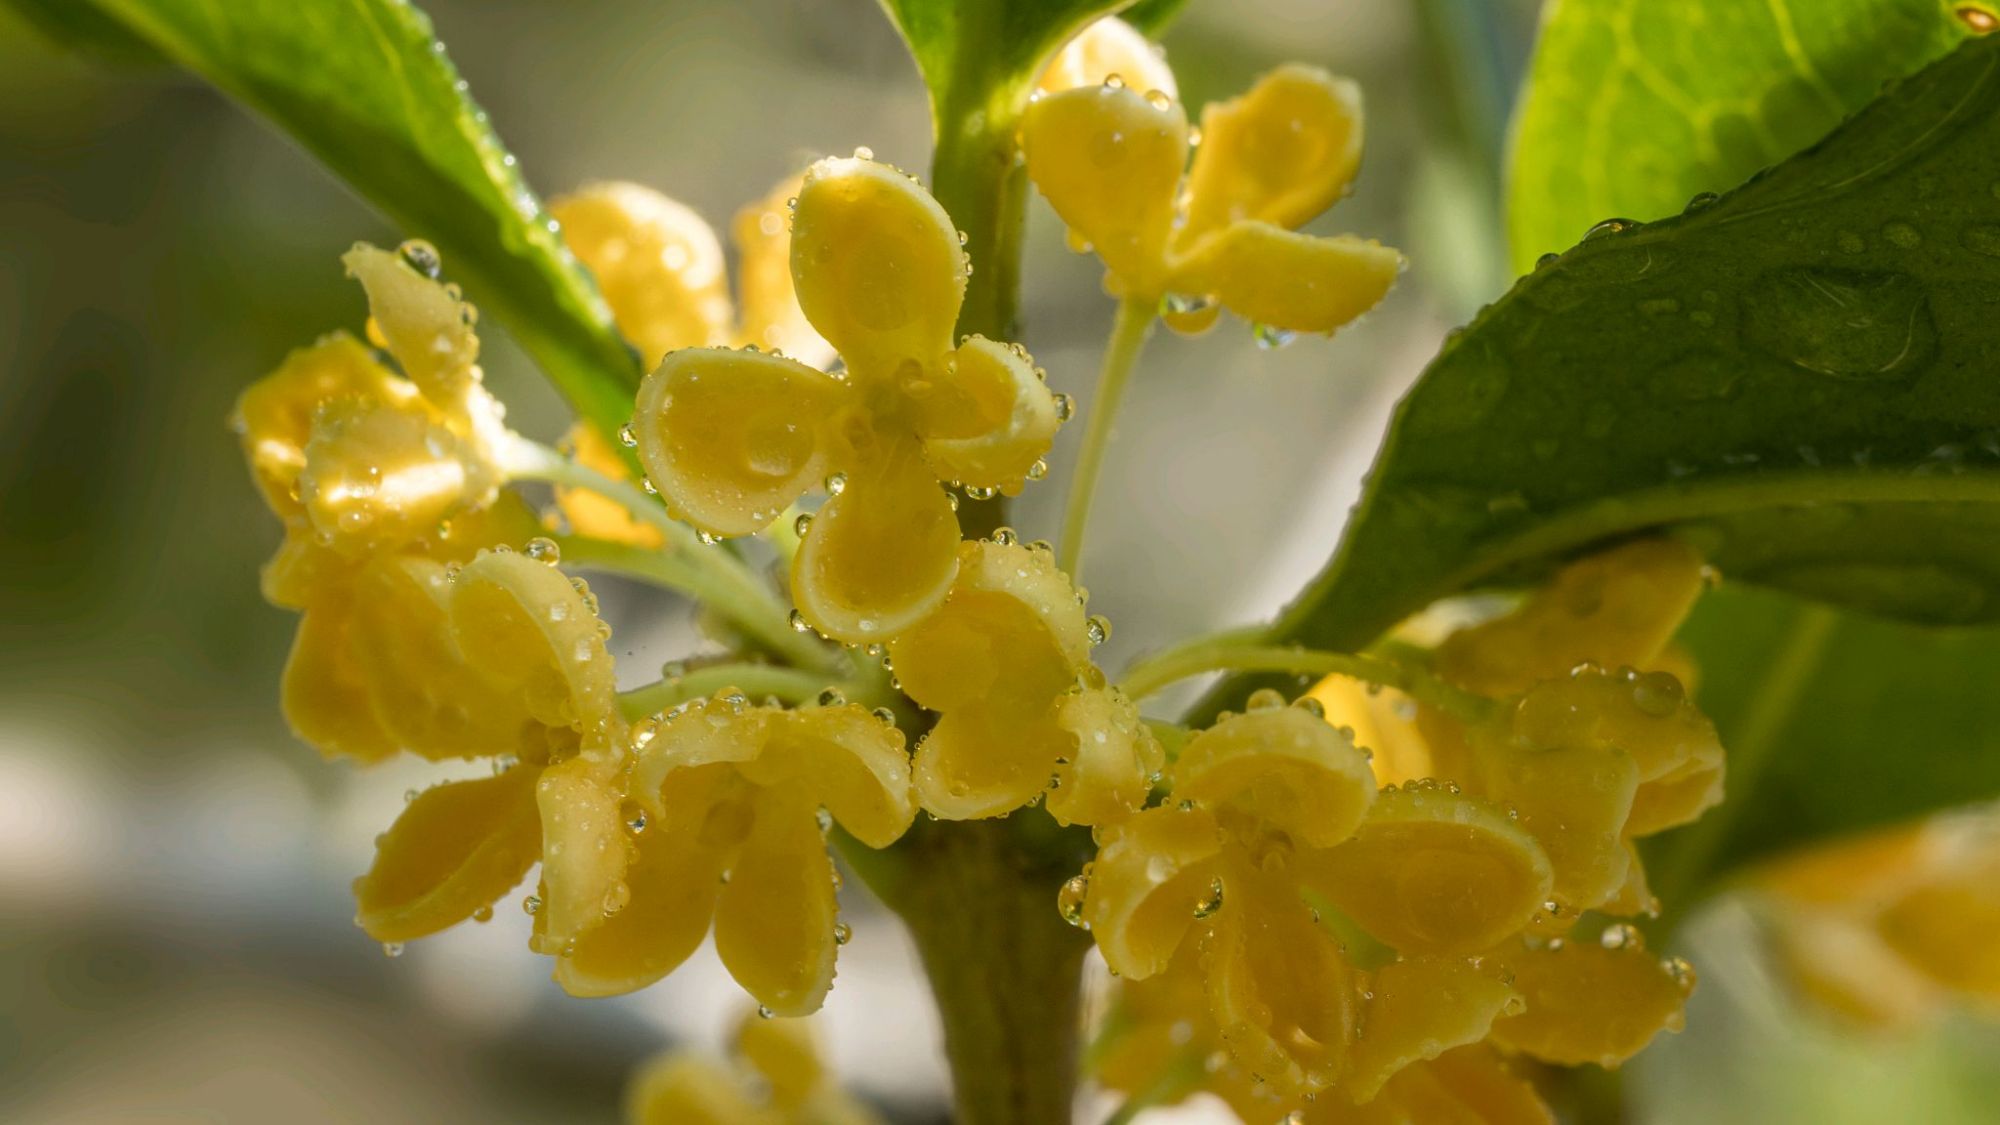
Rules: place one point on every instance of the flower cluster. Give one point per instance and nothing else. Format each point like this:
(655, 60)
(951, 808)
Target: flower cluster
(1389, 928)
(775, 1077)
(1888, 929)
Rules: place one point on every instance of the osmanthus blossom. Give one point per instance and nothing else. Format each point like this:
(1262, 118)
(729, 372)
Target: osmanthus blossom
(662, 270)
(1005, 663)
(1109, 48)
(731, 437)
(1588, 758)
(1271, 825)
(1112, 159)
(775, 1076)
(1890, 929)
(736, 800)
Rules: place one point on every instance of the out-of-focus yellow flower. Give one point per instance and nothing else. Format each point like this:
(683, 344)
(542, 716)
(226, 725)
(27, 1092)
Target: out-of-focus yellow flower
(1272, 821)
(503, 658)
(736, 802)
(730, 438)
(1109, 48)
(661, 270)
(1111, 158)
(1005, 661)
(775, 1078)
(1889, 928)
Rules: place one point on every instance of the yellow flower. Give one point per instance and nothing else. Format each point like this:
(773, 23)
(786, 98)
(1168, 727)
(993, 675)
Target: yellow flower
(1273, 824)
(1589, 760)
(661, 270)
(1110, 159)
(1108, 48)
(1005, 661)
(737, 800)
(776, 1078)
(1592, 1002)
(1888, 928)
(730, 438)
(504, 658)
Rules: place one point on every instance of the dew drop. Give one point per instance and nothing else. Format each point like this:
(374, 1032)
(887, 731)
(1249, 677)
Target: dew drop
(836, 484)
(422, 257)
(531, 905)
(1208, 904)
(832, 697)
(392, 949)
(1065, 407)
(1265, 699)
(842, 933)
(1069, 900)
(1097, 629)
(542, 549)
(1271, 338)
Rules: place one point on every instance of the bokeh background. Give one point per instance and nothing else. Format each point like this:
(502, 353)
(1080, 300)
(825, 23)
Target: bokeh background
(175, 934)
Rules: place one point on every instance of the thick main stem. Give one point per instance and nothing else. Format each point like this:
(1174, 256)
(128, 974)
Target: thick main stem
(1004, 968)
(1128, 336)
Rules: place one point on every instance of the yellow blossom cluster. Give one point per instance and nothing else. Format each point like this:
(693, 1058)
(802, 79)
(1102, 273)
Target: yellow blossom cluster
(1357, 937)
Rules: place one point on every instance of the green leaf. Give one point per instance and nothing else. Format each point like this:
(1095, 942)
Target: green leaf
(85, 30)
(366, 87)
(1634, 106)
(1153, 16)
(1835, 722)
(1799, 377)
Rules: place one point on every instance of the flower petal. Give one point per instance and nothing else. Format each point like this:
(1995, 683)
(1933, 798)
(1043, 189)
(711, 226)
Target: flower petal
(424, 693)
(1151, 870)
(1415, 1011)
(679, 1089)
(325, 693)
(1113, 763)
(784, 1053)
(457, 847)
(1431, 871)
(585, 852)
(1464, 1086)
(1010, 633)
(1382, 720)
(1107, 48)
(1281, 153)
(378, 476)
(730, 437)
(274, 415)
(594, 515)
(1590, 1004)
(1674, 747)
(990, 420)
(1616, 609)
(669, 888)
(1285, 767)
(720, 733)
(852, 763)
(981, 761)
(880, 555)
(657, 264)
(775, 918)
(424, 324)
(1109, 161)
(1575, 803)
(1297, 282)
(877, 265)
(527, 625)
(772, 319)
(1278, 986)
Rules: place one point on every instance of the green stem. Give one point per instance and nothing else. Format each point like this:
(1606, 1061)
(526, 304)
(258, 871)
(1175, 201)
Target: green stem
(1236, 651)
(1129, 330)
(717, 581)
(755, 680)
(1004, 967)
(530, 460)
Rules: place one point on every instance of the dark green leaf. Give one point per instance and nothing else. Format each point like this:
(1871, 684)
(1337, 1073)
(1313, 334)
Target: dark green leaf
(86, 31)
(1153, 16)
(1835, 722)
(366, 87)
(1801, 378)
(1633, 106)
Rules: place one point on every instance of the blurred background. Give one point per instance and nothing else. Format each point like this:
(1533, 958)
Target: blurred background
(175, 934)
